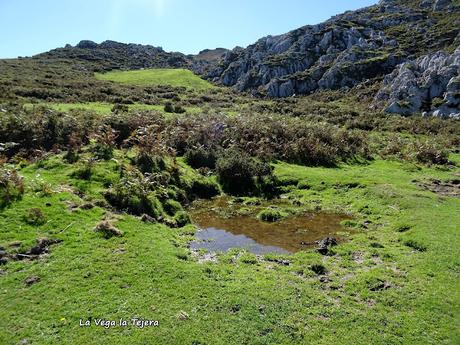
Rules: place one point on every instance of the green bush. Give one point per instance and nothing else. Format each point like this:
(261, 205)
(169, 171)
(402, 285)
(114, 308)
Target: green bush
(169, 108)
(318, 269)
(240, 174)
(148, 163)
(201, 158)
(133, 193)
(204, 189)
(181, 219)
(104, 142)
(427, 152)
(179, 109)
(171, 207)
(84, 171)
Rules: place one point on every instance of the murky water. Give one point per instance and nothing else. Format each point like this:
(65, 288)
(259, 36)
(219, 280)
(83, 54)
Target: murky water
(222, 228)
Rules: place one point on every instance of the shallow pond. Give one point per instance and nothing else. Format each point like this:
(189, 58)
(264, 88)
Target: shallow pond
(223, 225)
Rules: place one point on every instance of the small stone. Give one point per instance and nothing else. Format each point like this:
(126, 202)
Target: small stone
(182, 315)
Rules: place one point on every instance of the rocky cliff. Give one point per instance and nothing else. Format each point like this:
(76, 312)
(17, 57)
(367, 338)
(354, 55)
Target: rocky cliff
(342, 52)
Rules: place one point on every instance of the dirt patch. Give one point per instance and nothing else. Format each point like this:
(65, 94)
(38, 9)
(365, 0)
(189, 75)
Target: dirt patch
(449, 188)
(41, 248)
(358, 257)
(108, 230)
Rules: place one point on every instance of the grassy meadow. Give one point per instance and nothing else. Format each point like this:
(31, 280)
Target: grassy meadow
(103, 177)
(160, 76)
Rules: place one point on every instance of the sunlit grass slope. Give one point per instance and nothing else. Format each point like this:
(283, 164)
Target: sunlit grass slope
(167, 76)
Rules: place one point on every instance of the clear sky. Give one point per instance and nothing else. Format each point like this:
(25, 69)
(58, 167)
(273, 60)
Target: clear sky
(28, 27)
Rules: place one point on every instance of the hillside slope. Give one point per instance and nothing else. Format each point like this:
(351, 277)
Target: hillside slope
(405, 49)
(110, 55)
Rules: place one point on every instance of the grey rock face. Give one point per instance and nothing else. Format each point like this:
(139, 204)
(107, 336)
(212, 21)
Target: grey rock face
(321, 56)
(429, 84)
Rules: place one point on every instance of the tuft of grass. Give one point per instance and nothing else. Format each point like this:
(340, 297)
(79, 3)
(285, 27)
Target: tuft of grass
(270, 215)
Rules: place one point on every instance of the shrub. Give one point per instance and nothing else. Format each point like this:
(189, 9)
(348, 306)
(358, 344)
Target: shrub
(71, 156)
(268, 186)
(74, 145)
(430, 153)
(201, 158)
(11, 186)
(171, 207)
(204, 189)
(169, 108)
(84, 171)
(120, 108)
(104, 142)
(181, 219)
(35, 216)
(148, 163)
(133, 193)
(318, 269)
(238, 173)
(152, 148)
(179, 109)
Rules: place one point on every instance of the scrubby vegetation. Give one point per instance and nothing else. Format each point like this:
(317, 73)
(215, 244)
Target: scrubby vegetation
(11, 186)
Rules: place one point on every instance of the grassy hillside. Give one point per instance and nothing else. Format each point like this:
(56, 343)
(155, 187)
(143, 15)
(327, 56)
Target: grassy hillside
(151, 77)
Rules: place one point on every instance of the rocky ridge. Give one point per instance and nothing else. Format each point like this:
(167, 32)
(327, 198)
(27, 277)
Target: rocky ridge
(115, 55)
(355, 47)
(342, 52)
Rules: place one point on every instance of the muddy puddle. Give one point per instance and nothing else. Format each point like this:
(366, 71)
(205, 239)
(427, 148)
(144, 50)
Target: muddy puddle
(225, 224)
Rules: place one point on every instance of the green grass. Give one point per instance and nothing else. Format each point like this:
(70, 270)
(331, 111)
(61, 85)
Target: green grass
(106, 108)
(166, 76)
(149, 272)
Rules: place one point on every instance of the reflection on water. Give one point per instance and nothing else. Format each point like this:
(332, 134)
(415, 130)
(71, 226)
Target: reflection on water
(222, 229)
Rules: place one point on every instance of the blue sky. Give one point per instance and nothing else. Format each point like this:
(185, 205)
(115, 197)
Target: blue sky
(29, 27)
